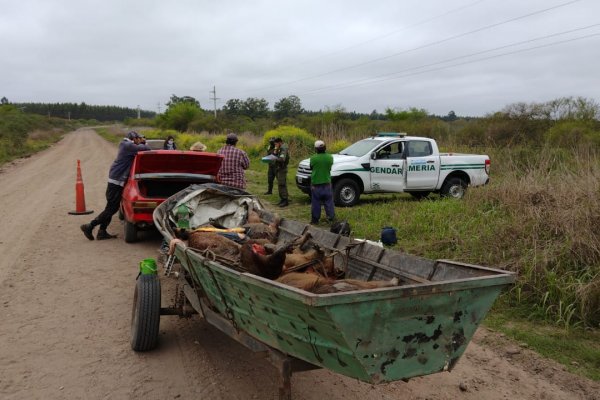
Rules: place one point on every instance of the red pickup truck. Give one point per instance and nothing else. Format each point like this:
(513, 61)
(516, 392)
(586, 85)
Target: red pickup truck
(156, 175)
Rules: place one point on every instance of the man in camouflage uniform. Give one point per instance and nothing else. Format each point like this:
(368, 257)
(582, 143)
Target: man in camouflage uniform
(281, 164)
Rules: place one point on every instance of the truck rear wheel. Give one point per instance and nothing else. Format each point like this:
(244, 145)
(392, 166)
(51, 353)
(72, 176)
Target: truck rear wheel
(145, 317)
(454, 187)
(130, 232)
(346, 193)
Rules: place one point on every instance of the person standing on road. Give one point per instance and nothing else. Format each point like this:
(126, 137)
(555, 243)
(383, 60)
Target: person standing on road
(117, 176)
(281, 162)
(235, 162)
(271, 171)
(320, 178)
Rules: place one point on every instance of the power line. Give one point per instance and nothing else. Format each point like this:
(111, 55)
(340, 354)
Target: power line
(422, 22)
(470, 62)
(375, 78)
(424, 46)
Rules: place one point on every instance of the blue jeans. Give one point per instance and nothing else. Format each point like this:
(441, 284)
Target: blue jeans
(321, 194)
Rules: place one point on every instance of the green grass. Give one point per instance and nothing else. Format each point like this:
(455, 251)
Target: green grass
(110, 133)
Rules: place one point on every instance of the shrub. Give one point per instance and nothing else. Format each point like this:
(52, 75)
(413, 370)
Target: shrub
(338, 146)
(574, 133)
(300, 142)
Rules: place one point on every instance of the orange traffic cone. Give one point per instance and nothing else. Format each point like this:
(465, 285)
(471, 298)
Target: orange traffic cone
(79, 195)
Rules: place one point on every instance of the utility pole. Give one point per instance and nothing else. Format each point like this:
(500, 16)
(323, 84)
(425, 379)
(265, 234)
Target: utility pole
(158, 106)
(138, 110)
(214, 98)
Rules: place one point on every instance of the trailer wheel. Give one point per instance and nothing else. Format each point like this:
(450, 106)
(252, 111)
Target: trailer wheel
(130, 232)
(145, 317)
(346, 193)
(454, 187)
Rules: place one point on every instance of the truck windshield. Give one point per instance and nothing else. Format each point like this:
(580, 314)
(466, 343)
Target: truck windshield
(360, 148)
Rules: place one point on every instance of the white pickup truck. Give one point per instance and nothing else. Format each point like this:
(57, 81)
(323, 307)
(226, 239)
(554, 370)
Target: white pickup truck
(393, 163)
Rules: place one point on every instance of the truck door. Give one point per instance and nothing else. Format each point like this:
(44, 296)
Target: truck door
(422, 167)
(387, 168)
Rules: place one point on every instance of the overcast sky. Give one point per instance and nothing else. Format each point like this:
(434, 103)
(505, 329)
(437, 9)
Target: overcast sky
(472, 57)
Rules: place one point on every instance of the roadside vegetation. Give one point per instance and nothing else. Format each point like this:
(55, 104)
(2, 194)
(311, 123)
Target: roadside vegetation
(22, 134)
(539, 216)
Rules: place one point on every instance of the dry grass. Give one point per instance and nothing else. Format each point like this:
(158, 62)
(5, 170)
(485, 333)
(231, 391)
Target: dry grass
(554, 201)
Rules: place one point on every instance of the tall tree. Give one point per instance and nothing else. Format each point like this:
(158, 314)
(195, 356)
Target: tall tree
(185, 99)
(233, 107)
(255, 108)
(288, 107)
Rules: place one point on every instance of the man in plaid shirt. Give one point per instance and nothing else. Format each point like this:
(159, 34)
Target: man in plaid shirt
(235, 162)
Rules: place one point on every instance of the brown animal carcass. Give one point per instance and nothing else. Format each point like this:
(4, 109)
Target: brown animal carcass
(321, 262)
(304, 281)
(217, 244)
(315, 283)
(259, 230)
(255, 259)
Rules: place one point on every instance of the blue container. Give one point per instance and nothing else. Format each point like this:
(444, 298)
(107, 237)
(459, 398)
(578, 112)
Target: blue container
(388, 236)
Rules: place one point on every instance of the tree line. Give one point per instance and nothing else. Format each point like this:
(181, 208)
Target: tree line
(564, 121)
(80, 111)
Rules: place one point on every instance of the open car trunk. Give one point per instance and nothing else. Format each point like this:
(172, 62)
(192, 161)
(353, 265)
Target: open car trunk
(161, 174)
(163, 187)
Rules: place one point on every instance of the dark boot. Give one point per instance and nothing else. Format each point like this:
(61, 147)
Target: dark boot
(283, 203)
(103, 235)
(88, 231)
(270, 191)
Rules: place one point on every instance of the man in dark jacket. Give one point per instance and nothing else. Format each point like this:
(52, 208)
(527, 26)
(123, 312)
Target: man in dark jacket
(117, 176)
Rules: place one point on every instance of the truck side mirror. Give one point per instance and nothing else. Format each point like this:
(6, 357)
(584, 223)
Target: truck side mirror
(373, 156)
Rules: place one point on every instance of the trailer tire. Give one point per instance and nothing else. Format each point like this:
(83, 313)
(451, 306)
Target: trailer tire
(454, 187)
(130, 231)
(145, 317)
(346, 192)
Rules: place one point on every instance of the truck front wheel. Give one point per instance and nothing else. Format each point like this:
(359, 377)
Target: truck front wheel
(454, 187)
(346, 193)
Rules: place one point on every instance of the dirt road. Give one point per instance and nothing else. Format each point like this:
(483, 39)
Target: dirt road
(65, 305)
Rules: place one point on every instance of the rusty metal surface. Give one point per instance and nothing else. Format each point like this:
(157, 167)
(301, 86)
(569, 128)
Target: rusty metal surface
(379, 335)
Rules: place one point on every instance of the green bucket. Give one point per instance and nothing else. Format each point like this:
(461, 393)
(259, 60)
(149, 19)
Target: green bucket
(148, 266)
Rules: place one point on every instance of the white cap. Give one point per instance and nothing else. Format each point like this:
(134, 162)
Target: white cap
(319, 144)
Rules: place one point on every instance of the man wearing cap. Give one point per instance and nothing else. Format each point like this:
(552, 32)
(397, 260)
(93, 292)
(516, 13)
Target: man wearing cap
(234, 163)
(281, 163)
(320, 180)
(117, 176)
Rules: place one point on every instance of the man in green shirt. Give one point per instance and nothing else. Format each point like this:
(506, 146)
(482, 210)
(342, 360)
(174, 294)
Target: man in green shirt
(281, 163)
(320, 180)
